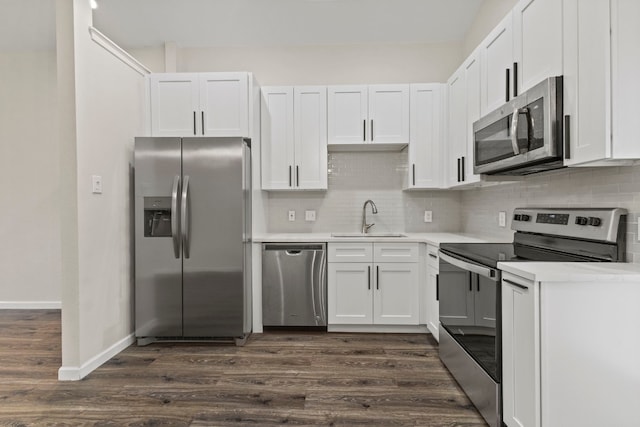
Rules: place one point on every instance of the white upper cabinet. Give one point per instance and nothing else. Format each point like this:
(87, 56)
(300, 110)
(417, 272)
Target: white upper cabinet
(601, 85)
(310, 130)
(389, 114)
(223, 104)
(496, 59)
(175, 104)
(377, 114)
(426, 146)
(294, 138)
(277, 146)
(199, 104)
(473, 94)
(537, 42)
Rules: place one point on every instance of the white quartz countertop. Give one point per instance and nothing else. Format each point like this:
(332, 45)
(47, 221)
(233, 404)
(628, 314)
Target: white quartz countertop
(430, 238)
(573, 271)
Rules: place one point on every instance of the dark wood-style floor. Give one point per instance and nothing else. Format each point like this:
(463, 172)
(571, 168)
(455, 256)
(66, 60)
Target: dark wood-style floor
(276, 378)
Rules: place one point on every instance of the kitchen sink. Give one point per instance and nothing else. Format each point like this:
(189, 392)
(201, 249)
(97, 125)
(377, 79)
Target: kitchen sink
(368, 235)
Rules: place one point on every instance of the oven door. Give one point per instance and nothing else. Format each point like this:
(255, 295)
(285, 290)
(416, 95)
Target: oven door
(525, 131)
(470, 310)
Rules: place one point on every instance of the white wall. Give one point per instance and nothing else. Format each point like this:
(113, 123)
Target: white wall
(108, 114)
(338, 64)
(29, 172)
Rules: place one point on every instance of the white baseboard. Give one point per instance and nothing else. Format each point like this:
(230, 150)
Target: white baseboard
(74, 373)
(30, 305)
(393, 329)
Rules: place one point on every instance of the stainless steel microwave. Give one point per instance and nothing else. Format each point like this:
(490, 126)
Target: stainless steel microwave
(524, 136)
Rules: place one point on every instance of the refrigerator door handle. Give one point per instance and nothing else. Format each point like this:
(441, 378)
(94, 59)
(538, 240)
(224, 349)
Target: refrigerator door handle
(174, 216)
(184, 217)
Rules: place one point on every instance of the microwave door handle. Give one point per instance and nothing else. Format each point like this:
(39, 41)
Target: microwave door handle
(514, 132)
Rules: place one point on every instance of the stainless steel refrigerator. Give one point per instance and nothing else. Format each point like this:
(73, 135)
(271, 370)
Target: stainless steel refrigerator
(192, 239)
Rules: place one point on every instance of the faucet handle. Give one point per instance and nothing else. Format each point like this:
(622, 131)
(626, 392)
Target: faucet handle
(368, 226)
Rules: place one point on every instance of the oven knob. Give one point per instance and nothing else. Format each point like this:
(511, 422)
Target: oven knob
(582, 220)
(525, 217)
(517, 217)
(595, 221)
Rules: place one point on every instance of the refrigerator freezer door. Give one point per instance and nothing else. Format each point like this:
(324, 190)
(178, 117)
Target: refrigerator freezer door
(158, 288)
(213, 281)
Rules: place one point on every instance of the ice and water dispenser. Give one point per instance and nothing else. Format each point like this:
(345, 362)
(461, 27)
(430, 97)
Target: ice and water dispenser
(157, 217)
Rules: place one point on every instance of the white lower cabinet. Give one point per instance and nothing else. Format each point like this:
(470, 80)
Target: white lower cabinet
(570, 346)
(432, 304)
(373, 283)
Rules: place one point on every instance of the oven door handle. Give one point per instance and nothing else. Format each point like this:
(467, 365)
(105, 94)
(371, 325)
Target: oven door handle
(489, 273)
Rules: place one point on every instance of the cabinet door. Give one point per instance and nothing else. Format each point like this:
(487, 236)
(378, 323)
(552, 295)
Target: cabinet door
(395, 300)
(520, 354)
(456, 298)
(537, 42)
(625, 57)
(433, 308)
(347, 114)
(586, 85)
(174, 104)
(456, 120)
(389, 114)
(349, 293)
(277, 146)
(310, 129)
(224, 104)
(425, 147)
(496, 57)
(472, 109)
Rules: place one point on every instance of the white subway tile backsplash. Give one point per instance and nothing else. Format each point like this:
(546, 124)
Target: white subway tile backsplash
(355, 177)
(569, 187)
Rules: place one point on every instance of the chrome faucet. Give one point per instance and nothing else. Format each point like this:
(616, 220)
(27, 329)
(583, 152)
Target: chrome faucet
(374, 209)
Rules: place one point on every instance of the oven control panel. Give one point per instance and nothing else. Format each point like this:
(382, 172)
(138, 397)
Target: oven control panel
(584, 223)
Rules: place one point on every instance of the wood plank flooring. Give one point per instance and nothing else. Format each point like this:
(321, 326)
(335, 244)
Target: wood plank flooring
(277, 378)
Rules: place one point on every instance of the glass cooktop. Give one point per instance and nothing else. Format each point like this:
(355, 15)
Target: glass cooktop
(488, 254)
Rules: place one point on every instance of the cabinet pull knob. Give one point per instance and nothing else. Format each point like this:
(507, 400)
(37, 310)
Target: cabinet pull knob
(194, 123)
(507, 86)
(517, 285)
(567, 137)
(515, 79)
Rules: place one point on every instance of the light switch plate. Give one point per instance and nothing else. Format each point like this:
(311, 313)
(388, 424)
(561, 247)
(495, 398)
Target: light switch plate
(428, 216)
(96, 184)
(292, 215)
(502, 219)
(310, 215)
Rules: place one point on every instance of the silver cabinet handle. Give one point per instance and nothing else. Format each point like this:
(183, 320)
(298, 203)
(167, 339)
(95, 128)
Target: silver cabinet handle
(202, 122)
(369, 277)
(514, 132)
(378, 277)
(194, 123)
(517, 285)
(174, 216)
(184, 217)
(371, 130)
(297, 176)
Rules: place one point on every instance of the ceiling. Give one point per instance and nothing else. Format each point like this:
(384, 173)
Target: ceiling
(30, 24)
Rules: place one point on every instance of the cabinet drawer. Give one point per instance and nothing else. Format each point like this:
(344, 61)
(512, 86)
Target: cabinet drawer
(433, 259)
(395, 252)
(350, 252)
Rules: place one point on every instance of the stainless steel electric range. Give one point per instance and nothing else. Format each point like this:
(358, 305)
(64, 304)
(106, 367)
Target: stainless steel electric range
(469, 288)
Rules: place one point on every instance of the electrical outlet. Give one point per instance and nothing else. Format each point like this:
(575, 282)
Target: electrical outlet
(292, 215)
(428, 216)
(502, 219)
(309, 215)
(96, 184)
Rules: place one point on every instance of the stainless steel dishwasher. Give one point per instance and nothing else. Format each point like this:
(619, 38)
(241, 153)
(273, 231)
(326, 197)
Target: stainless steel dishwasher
(294, 284)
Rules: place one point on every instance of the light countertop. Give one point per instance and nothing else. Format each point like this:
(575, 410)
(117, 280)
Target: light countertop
(430, 238)
(574, 271)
